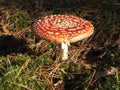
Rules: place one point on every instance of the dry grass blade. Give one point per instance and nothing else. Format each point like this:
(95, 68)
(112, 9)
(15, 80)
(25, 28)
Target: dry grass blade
(48, 81)
(4, 27)
(23, 86)
(23, 66)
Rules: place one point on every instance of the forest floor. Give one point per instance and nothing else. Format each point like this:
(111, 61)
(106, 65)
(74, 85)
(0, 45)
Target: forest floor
(28, 62)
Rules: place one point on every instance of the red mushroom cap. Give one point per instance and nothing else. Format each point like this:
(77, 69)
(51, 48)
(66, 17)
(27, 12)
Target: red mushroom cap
(60, 28)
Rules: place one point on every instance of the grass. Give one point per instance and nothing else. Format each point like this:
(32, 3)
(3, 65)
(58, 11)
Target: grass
(30, 63)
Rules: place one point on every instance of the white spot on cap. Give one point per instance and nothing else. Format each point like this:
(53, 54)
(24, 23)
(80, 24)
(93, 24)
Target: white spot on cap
(47, 35)
(69, 32)
(79, 31)
(86, 26)
(84, 30)
(57, 33)
(52, 36)
(50, 32)
(72, 29)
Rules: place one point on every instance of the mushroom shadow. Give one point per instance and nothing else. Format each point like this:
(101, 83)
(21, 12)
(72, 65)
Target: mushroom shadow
(11, 45)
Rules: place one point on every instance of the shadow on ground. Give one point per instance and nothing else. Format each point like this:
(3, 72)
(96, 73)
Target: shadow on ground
(11, 45)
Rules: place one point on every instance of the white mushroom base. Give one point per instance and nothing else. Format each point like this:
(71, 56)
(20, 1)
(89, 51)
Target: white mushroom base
(64, 47)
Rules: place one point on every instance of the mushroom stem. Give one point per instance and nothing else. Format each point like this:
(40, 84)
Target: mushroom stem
(64, 47)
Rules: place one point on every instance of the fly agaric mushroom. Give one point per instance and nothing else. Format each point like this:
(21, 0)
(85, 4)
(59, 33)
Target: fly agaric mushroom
(64, 29)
